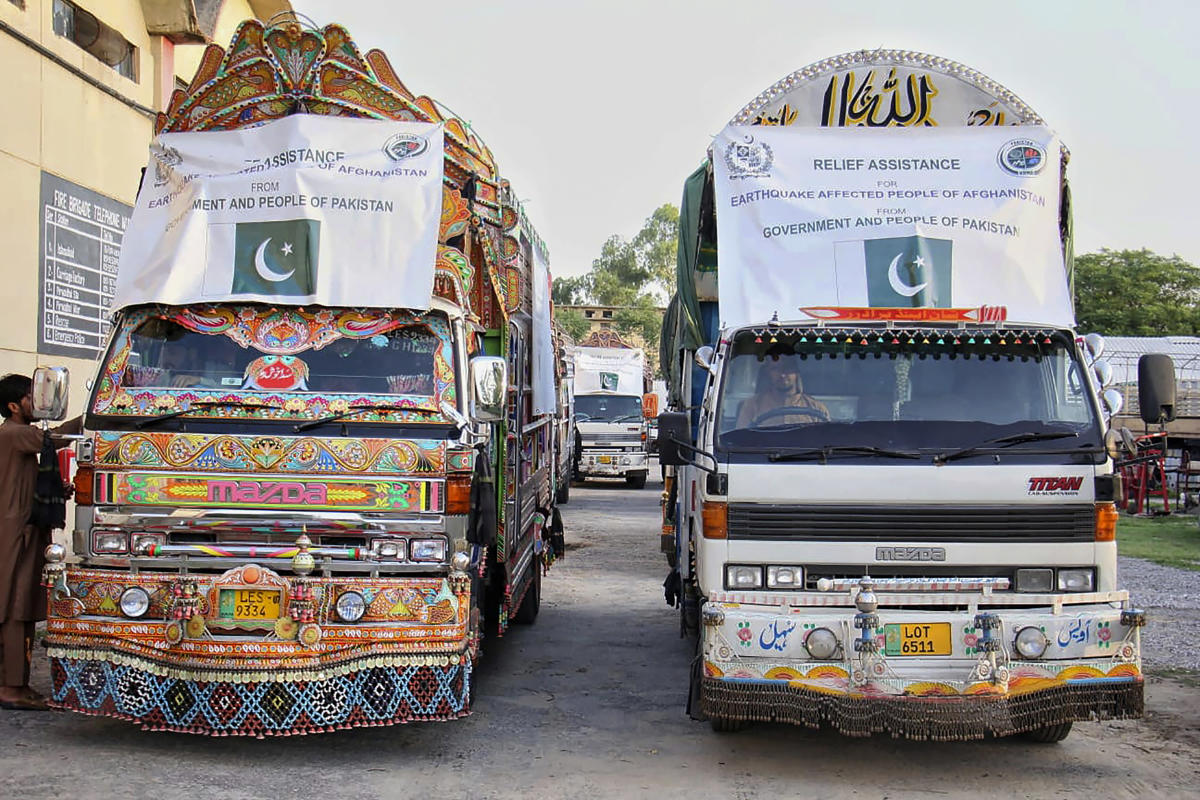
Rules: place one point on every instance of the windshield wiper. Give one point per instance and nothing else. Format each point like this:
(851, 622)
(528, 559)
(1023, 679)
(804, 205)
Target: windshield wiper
(201, 404)
(624, 417)
(1003, 441)
(356, 409)
(826, 451)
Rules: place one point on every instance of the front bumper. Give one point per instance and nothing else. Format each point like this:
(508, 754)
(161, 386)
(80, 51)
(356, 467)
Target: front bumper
(183, 667)
(613, 464)
(755, 666)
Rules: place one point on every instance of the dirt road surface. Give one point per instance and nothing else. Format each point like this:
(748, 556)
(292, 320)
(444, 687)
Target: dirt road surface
(589, 703)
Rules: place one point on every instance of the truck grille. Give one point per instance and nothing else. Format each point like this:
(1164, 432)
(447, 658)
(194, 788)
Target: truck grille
(612, 440)
(1075, 523)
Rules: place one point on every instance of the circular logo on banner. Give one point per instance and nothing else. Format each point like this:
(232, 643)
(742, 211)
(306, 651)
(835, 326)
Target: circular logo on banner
(1022, 157)
(404, 145)
(748, 158)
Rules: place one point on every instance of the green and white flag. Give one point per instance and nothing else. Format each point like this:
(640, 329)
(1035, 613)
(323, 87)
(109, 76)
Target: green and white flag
(278, 258)
(306, 210)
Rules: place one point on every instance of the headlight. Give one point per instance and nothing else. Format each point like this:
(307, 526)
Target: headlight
(134, 602)
(625, 461)
(741, 576)
(1035, 580)
(390, 549)
(785, 577)
(350, 606)
(142, 542)
(821, 644)
(1030, 642)
(109, 542)
(1076, 580)
(427, 550)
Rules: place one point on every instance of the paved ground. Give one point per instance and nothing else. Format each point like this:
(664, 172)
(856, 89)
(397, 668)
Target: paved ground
(589, 703)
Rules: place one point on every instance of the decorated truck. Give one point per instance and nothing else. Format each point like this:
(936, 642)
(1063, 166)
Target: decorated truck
(609, 385)
(315, 472)
(891, 501)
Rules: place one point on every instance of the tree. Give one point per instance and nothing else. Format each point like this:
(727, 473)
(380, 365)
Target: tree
(656, 245)
(572, 291)
(1137, 293)
(572, 321)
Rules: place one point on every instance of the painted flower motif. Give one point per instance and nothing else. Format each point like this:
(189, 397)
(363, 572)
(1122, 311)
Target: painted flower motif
(295, 405)
(744, 633)
(1104, 633)
(123, 400)
(338, 405)
(971, 639)
(164, 401)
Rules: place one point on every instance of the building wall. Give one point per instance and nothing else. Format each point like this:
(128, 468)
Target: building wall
(65, 133)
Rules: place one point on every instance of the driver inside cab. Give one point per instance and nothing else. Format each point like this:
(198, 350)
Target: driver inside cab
(779, 397)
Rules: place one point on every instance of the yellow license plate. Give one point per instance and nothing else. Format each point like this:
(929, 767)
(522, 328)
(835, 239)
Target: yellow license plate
(605, 459)
(249, 604)
(917, 639)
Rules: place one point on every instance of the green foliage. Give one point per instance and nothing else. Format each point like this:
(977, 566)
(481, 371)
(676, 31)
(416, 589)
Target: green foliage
(570, 291)
(656, 245)
(572, 321)
(643, 319)
(1136, 293)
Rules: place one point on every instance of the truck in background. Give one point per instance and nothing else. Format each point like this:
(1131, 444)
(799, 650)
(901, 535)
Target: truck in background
(890, 507)
(301, 515)
(609, 388)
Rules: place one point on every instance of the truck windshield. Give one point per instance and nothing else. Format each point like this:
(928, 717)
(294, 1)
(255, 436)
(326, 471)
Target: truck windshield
(915, 391)
(607, 408)
(295, 364)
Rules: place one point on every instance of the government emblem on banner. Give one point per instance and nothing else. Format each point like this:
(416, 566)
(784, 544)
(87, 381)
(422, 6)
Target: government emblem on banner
(908, 272)
(276, 258)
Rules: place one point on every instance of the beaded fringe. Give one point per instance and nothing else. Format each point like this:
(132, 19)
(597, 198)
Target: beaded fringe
(941, 718)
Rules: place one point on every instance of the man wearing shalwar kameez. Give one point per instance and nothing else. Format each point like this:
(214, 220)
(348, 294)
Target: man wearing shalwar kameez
(22, 598)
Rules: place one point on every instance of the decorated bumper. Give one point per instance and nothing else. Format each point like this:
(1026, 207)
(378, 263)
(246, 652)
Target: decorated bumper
(921, 674)
(251, 652)
(612, 463)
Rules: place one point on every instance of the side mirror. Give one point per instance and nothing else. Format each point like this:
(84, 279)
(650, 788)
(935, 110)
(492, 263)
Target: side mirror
(489, 387)
(673, 427)
(704, 357)
(1156, 388)
(50, 389)
(1103, 373)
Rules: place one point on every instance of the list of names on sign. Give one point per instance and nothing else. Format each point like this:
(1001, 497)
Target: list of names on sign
(79, 251)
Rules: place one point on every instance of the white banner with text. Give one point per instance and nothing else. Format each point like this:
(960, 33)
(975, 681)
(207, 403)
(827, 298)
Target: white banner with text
(937, 223)
(307, 209)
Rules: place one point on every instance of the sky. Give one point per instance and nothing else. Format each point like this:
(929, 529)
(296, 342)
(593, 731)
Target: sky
(597, 111)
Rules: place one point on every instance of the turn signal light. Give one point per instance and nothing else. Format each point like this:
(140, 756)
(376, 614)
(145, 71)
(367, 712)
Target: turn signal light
(716, 519)
(458, 494)
(83, 485)
(1106, 522)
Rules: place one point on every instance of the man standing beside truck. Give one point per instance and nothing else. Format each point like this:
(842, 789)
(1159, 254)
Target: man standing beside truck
(22, 599)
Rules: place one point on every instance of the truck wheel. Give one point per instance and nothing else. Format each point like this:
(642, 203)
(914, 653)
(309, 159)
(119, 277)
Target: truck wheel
(636, 481)
(531, 604)
(563, 495)
(1049, 734)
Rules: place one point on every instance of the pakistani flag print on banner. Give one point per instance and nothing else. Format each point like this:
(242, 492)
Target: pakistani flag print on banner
(609, 381)
(908, 272)
(276, 258)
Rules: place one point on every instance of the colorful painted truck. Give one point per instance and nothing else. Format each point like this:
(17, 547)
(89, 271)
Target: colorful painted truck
(609, 386)
(891, 505)
(315, 474)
